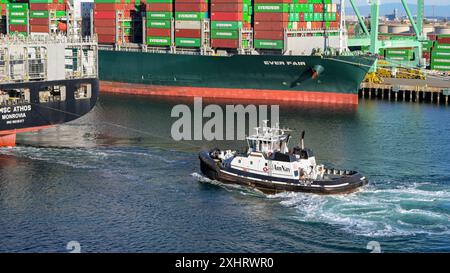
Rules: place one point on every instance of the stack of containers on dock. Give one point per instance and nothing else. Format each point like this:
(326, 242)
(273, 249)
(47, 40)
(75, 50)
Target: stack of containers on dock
(440, 54)
(159, 14)
(399, 54)
(188, 20)
(18, 17)
(228, 17)
(426, 50)
(272, 17)
(105, 13)
(46, 15)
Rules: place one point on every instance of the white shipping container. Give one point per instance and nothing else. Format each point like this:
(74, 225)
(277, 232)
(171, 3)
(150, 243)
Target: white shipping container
(187, 25)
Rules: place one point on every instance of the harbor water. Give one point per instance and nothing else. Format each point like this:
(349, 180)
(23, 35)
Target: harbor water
(115, 181)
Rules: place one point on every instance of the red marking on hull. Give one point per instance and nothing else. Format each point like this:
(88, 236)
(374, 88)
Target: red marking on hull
(229, 93)
(8, 137)
(8, 140)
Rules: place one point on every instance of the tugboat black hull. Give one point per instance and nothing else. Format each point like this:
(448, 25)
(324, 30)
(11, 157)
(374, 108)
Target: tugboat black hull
(343, 185)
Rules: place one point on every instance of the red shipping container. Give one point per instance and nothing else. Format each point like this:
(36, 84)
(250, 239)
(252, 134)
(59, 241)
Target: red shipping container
(159, 32)
(269, 35)
(40, 29)
(226, 7)
(277, 1)
(104, 22)
(188, 33)
(443, 40)
(224, 43)
(315, 25)
(39, 21)
(164, 7)
(226, 16)
(18, 28)
(191, 7)
(113, 7)
(105, 30)
(110, 14)
(47, 6)
(432, 37)
(271, 16)
(106, 39)
(3, 9)
(318, 8)
(270, 25)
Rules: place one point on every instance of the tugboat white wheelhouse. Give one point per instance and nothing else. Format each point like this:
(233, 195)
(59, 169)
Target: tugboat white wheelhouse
(271, 167)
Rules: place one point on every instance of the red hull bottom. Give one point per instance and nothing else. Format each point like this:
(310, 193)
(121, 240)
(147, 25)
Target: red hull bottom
(8, 137)
(229, 93)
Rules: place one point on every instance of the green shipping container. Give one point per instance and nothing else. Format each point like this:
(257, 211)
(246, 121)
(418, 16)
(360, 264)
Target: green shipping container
(441, 54)
(60, 13)
(187, 42)
(226, 25)
(17, 21)
(158, 41)
(39, 14)
(442, 47)
(224, 34)
(271, 7)
(159, 15)
(17, 14)
(440, 67)
(17, 7)
(158, 23)
(190, 16)
(41, 1)
(269, 44)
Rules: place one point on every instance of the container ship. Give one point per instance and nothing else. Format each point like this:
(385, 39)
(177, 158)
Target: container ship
(44, 81)
(292, 50)
(289, 50)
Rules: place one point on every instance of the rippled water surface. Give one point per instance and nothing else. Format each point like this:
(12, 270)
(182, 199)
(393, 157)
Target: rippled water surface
(115, 182)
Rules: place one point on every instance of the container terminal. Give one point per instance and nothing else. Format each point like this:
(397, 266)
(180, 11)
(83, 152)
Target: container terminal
(44, 79)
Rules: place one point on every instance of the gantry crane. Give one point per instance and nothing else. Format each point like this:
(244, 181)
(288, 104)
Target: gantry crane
(370, 38)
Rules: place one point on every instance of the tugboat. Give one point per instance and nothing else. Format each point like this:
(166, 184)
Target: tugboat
(269, 166)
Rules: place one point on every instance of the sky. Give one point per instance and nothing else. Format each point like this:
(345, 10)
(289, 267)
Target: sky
(427, 2)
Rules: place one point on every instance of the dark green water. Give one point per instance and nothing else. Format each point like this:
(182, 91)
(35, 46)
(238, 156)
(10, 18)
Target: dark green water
(113, 188)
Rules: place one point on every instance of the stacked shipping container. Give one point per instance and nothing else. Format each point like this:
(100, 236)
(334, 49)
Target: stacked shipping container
(117, 21)
(47, 14)
(228, 17)
(3, 16)
(18, 17)
(440, 54)
(159, 15)
(273, 16)
(188, 17)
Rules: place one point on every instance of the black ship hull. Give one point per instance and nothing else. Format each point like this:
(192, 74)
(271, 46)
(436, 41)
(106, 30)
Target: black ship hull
(342, 185)
(32, 106)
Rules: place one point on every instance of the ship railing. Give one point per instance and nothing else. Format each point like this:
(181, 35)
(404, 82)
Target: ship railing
(34, 40)
(12, 101)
